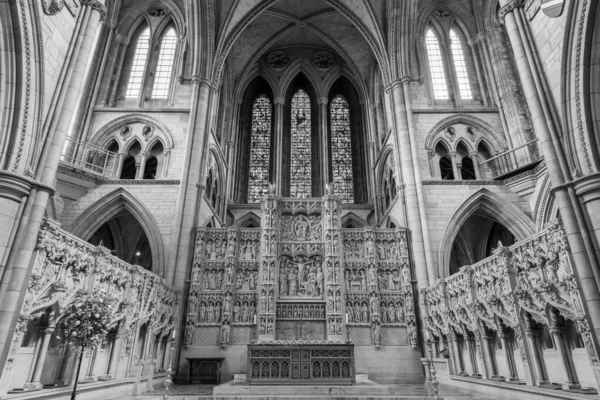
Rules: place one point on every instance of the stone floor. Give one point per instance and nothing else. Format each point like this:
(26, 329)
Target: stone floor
(398, 391)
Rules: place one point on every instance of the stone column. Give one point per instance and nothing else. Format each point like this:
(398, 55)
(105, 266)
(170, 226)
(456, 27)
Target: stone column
(278, 146)
(115, 355)
(324, 135)
(489, 348)
(472, 348)
(509, 355)
(89, 375)
(118, 169)
(426, 274)
(122, 52)
(142, 165)
(458, 360)
(267, 276)
(475, 158)
(39, 362)
(17, 270)
(455, 166)
(536, 362)
(190, 193)
(550, 145)
(564, 355)
(166, 158)
(332, 236)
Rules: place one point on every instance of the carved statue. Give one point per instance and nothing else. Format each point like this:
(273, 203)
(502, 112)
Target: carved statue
(225, 327)
(383, 311)
(227, 303)
(236, 312)
(376, 334)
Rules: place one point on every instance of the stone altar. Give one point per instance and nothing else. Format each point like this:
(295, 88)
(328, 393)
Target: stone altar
(300, 363)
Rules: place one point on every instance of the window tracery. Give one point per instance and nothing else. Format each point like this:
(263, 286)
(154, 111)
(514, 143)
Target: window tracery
(260, 148)
(436, 66)
(341, 149)
(164, 67)
(138, 67)
(301, 154)
(460, 67)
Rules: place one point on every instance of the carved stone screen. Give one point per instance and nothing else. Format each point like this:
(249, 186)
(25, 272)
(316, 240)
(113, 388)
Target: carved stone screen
(300, 278)
(301, 154)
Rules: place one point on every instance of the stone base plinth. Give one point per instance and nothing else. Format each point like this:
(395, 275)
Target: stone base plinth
(238, 388)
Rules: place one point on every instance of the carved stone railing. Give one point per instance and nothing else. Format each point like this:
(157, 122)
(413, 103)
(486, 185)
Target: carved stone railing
(513, 291)
(65, 264)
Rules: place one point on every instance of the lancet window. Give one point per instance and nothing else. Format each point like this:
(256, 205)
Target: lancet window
(138, 66)
(341, 149)
(260, 148)
(436, 66)
(164, 68)
(301, 149)
(462, 76)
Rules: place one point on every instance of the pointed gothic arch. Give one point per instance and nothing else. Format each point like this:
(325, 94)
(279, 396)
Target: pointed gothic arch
(113, 204)
(488, 204)
(250, 220)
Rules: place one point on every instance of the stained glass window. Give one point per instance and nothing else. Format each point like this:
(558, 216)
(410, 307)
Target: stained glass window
(436, 66)
(260, 148)
(460, 67)
(341, 149)
(138, 66)
(300, 160)
(164, 67)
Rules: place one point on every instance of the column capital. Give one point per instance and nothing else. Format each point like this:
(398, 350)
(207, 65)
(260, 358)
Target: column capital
(508, 7)
(323, 101)
(279, 100)
(97, 6)
(371, 145)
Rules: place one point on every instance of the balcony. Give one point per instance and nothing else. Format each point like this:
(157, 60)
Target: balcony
(513, 161)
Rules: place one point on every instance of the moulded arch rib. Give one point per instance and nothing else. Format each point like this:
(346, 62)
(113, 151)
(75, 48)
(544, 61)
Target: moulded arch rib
(111, 206)
(487, 204)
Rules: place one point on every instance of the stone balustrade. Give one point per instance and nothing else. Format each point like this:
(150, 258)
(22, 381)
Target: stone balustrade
(143, 321)
(516, 316)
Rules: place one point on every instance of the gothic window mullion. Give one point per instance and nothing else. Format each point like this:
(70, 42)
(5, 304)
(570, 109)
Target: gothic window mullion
(341, 149)
(260, 148)
(301, 146)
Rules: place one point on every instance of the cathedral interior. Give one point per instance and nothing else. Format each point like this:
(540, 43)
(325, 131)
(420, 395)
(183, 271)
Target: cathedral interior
(357, 194)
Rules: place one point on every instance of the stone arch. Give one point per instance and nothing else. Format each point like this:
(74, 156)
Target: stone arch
(296, 69)
(248, 219)
(103, 136)
(579, 98)
(465, 119)
(354, 219)
(111, 205)
(485, 203)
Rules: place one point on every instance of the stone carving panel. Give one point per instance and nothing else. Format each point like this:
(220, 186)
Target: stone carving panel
(301, 277)
(301, 228)
(300, 311)
(244, 309)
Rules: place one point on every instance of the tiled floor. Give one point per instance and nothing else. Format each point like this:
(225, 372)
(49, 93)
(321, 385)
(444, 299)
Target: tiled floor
(197, 392)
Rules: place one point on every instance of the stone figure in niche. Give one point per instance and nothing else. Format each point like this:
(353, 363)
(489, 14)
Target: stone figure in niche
(391, 314)
(370, 248)
(406, 274)
(236, 312)
(363, 281)
(372, 275)
(365, 313)
(202, 313)
(347, 279)
(263, 303)
(225, 332)
(209, 313)
(382, 255)
(383, 312)
(192, 303)
(330, 301)
(208, 249)
(217, 311)
(227, 303)
(271, 302)
(263, 327)
(374, 304)
(338, 307)
(196, 275)
(231, 249)
(245, 313)
(376, 334)
(189, 334)
(403, 248)
(301, 227)
(229, 273)
(399, 313)
(350, 312)
(319, 278)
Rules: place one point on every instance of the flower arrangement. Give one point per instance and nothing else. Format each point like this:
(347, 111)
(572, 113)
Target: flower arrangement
(86, 323)
(87, 319)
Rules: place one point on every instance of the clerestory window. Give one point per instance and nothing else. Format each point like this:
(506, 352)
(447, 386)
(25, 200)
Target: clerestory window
(260, 148)
(301, 154)
(164, 67)
(341, 148)
(138, 66)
